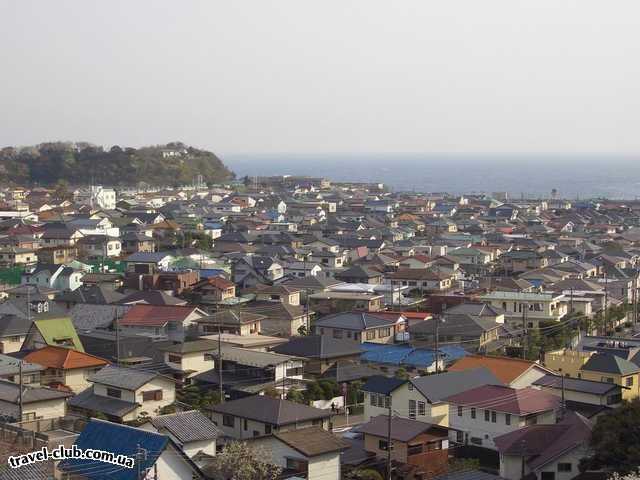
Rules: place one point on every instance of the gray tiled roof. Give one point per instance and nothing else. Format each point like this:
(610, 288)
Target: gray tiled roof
(437, 387)
(318, 346)
(576, 384)
(270, 410)
(127, 378)
(606, 363)
(354, 321)
(187, 426)
(112, 406)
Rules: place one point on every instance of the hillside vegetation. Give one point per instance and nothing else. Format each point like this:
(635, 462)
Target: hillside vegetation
(84, 163)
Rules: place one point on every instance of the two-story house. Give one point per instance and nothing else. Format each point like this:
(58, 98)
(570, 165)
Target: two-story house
(125, 394)
(171, 321)
(479, 415)
(260, 415)
(360, 327)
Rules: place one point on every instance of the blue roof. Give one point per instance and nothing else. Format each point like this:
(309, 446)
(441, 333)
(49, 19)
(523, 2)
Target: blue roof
(118, 439)
(407, 355)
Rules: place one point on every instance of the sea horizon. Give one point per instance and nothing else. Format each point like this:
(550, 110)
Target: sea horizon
(612, 176)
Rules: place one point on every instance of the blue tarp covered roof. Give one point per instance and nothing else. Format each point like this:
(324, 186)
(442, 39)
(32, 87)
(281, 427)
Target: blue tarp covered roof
(407, 355)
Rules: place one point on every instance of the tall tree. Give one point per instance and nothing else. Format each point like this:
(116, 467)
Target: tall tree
(238, 461)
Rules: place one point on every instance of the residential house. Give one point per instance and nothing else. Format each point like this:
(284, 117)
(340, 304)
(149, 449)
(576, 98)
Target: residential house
(421, 398)
(10, 369)
(214, 290)
(320, 352)
(99, 246)
(194, 433)
(34, 403)
(62, 254)
(257, 415)
(252, 270)
(230, 322)
(14, 256)
(424, 280)
(418, 444)
(479, 415)
(134, 242)
(56, 276)
(163, 458)
(360, 274)
(458, 328)
(190, 358)
(311, 453)
(65, 367)
(148, 262)
(360, 327)
(125, 394)
(604, 367)
(513, 372)
(332, 301)
(250, 372)
(57, 332)
(545, 452)
(13, 331)
(171, 321)
(588, 397)
(530, 308)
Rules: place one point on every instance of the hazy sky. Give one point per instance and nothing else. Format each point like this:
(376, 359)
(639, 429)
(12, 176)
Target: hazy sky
(324, 76)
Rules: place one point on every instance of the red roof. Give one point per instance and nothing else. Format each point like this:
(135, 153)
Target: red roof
(219, 282)
(63, 358)
(522, 401)
(155, 315)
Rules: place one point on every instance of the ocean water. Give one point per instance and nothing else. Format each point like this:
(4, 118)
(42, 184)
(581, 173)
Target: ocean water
(588, 176)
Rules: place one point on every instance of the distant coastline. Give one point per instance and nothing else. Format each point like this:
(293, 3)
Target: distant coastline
(590, 176)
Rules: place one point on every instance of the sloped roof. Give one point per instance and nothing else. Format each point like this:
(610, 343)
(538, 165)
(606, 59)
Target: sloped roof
(355, 321)
(545, 443)
(127, 378)
(521, 401)
(382, 384)
(191, 426)
(312, 441)
(505, 368)
(156, 315)
(120, 440)
(270, 410)
(53, 329)
(63, 358)
(437, 387)
(318, 346)
(607, 363)
(402, 429)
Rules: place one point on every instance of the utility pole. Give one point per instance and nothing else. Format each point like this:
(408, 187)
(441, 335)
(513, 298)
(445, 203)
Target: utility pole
(220, 388)
(606, 302)
(117, 322)
(523, 450)
(21, 386)
(524, 330)
(389, 439)
(563, 404)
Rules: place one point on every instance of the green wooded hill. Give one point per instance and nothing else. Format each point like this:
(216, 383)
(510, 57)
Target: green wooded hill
(83, 163)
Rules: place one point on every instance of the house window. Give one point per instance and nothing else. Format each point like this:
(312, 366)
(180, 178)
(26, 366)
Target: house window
(337, 333)
(628, 382)
(384, 332)
(387, 402)
(459, 436)
(371, 334)
(296, 465)
(175, 358)
(412, 409)
(564, 467)
(422, 409)
(228, 420)
(494, 417)
(245, 424)
(414, 449)
(374, 399)
(548, 476)
(267, 429)
(114, 392)
(486, 415)
(151, 395)
(473, 413)
(209, 357)
(507, 418)
(607, 379)
(459, 411)
(383, 445)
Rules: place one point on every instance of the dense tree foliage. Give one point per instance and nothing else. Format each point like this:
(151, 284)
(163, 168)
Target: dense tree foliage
(239, 461)
(616, 440)
(83, 163)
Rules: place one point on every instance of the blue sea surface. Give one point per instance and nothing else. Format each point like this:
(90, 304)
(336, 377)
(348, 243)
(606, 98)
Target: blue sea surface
(575, 176)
